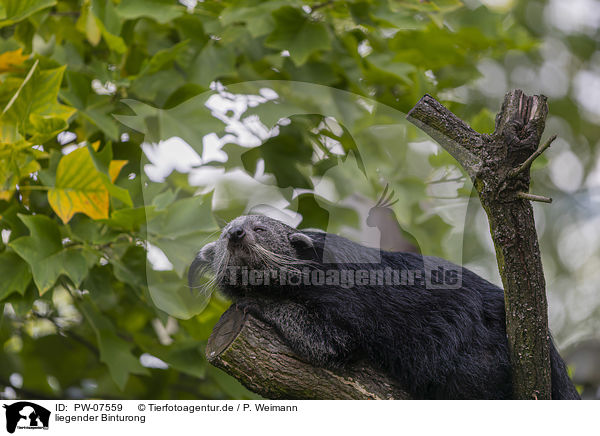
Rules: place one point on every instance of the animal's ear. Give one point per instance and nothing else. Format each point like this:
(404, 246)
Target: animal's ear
(201, 262)
(207, 252)
(301, 240)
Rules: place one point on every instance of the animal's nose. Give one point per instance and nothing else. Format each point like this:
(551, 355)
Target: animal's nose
(236, 233)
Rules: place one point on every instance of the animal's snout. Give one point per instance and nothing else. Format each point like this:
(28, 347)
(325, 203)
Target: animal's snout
(236, 234)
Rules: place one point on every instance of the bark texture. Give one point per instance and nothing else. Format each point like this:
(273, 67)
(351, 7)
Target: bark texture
(499, 167)
(252, 352)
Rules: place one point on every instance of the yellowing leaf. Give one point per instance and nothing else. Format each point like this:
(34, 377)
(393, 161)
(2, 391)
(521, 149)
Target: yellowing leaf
(10, 60)
(79, 188)
(115, 168)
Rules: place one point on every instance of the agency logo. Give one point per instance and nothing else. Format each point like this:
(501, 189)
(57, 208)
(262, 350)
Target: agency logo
(26, 415)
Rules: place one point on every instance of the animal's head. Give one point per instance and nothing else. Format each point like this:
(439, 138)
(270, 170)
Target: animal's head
(382, 210)
(252, 241)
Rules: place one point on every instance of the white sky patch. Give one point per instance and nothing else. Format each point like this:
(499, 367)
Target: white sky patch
(268, 93)
(566, 171)
(587, 93)
(16, 380)
(166, 156)
(493, 81)
(499, 5)
(158, 259)
(593, 178)
(5, 236)
(205, 176)
(577, 242)
(424, 147)
(189, 4)
(150, 361)
(364, 48)
(247, 131)
(553, 80)
(106, 88)
(574, 16)
(164, 332)
(71, 147)
(211, 149)
(65, 137)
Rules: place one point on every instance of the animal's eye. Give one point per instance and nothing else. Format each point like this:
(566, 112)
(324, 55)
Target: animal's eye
(259, 229)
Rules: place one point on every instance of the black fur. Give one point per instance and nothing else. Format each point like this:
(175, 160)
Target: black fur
(439, 343)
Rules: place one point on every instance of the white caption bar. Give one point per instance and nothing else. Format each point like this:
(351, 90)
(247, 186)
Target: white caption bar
(162, 418)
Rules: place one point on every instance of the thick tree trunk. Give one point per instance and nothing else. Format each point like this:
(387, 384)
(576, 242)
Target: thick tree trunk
(499, 166)
(251, 351)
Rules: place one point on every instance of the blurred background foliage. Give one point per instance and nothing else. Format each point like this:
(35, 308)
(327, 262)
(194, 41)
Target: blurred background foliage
(131, 130)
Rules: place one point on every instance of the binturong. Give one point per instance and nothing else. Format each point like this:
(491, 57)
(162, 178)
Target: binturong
(435, 327)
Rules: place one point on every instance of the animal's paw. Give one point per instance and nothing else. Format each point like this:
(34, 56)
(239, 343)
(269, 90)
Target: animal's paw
(248, 305)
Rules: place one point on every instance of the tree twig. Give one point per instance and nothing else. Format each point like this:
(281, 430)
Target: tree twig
(533, 197)
(527, 164)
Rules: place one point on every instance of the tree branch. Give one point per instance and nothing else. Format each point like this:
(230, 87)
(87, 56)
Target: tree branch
(252, 352)
(449, 131)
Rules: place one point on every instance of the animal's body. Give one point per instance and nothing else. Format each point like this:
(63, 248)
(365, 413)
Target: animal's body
(439, 342)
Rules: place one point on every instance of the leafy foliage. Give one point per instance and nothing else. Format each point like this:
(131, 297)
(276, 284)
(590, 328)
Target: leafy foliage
(86, 84)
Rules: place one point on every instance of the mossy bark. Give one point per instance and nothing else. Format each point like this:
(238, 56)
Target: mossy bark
(252, 352)
(499, 167)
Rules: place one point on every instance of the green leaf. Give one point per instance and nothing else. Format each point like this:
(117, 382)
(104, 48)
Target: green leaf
(190, 121)
(44, 252)
(386, 63)
(284, 156)
(45, 127)
(131, 218)
(298, 33)
(83, 229)
(109, 24)
(170, 294)
(183, 217)
(15, 274)
(13, 170)
(163, 58)
(13, 11)
(130, 266)
(183, 355)
(214, 61)
(89, 24)
(181, 250)
(483, 122)
(161, 11)
(114, 351)
(34, 110)
(255, 13)
(109, 170)
(94, 108)
(182, 228)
